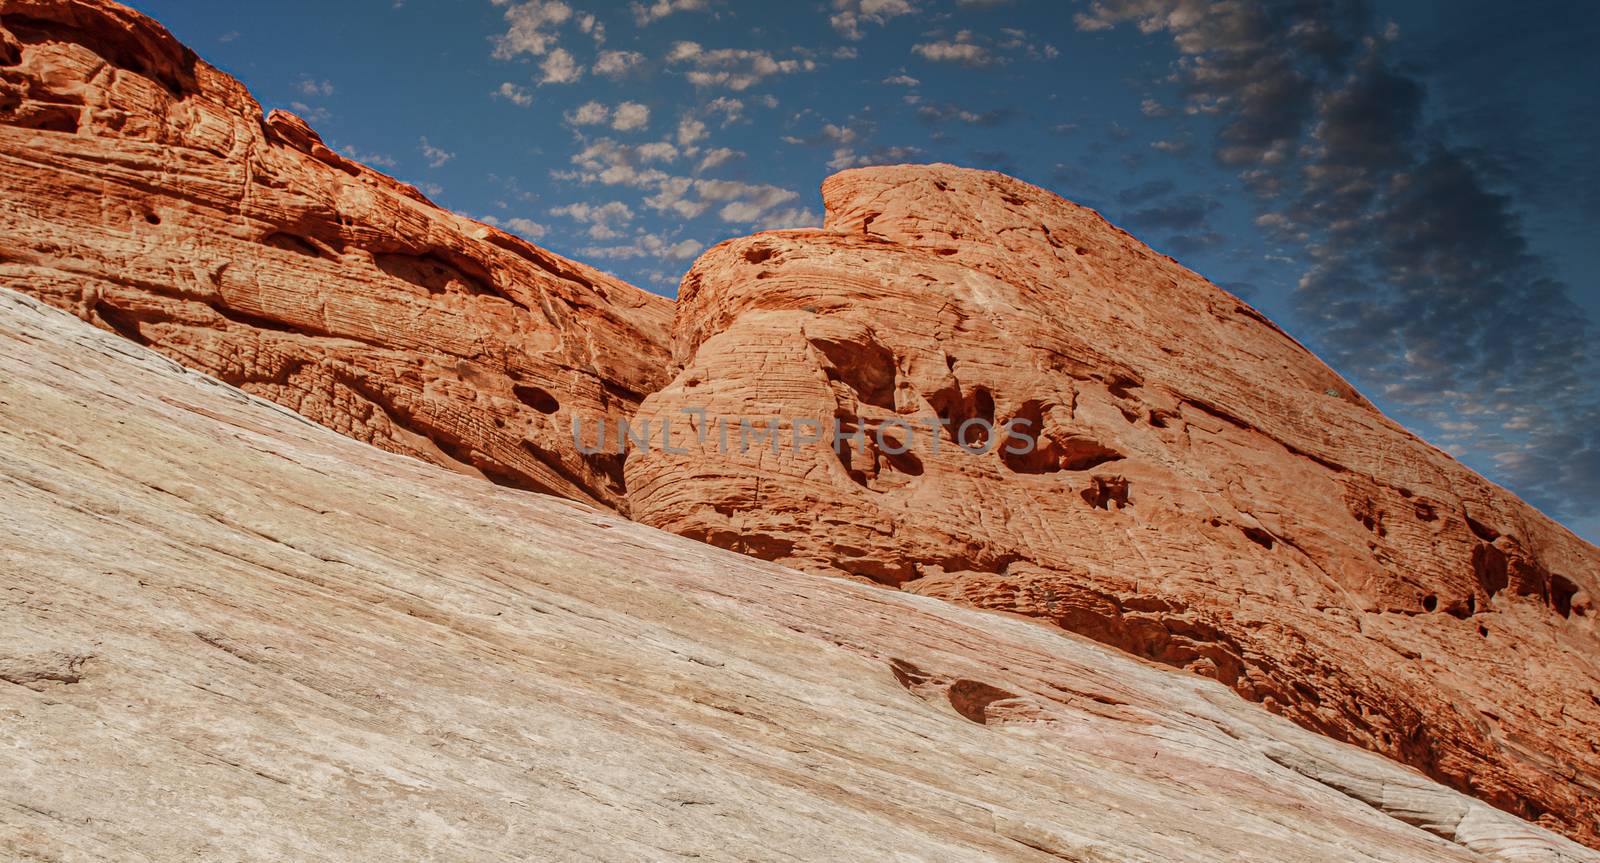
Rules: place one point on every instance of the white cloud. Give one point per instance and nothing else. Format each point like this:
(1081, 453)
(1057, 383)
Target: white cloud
(683, 51)
(976, 51)
(717, 158)
(965, 53)
(690, 131)
(730, 108)
(312, 87)
(612, 164)
(902, 80)
(793, 217)
(844, 157)
(604, 220)
(734, 68)
(852, 14)
(644, 13)
(615, 64)
(657, 151)
(559, 67)
(592, 26)
(746, 202)
(528, 228)
(648, 245)
(838, 134)
(630, 116)
(1152, 108)
(310, 114)
(673, 198)
(436, 156)
(527, 33)
(1021, 42)
(590, 113)
(376, 160)
(518, 96)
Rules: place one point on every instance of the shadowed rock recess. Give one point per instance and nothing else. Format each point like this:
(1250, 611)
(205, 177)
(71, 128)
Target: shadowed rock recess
(1206, 494)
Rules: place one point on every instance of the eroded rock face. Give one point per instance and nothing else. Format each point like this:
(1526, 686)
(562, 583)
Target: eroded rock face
(1205, 493)
(263, 642)
(145, 193)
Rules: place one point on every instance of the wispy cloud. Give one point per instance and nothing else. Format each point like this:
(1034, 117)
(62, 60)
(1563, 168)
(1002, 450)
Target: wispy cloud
(1420, 269)
(435, 156)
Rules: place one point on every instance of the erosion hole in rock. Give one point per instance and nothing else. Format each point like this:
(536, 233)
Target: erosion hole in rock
(1561, 592)
(292, 243)
(1049, 453)
(971, 699)
(1461, 609)
(1104, 491)
(438, 274)
(537, 398)
(123, 323)
(759, 254)
(1490, 568)
(1042, 456)
(865, 366)
(904, 462)
(1122, 386)
(1258, 536)
(1480, 530)
(65, 119)
(973, 432)
(152, 218)
(1430, 603)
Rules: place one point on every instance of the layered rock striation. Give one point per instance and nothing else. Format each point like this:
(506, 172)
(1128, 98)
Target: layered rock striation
(261, 642)
(1200, 490)
(145, 192)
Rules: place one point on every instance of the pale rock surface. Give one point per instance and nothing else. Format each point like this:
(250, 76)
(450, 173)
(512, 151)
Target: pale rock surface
(263, 641)
(1207, 494)
(144, 191)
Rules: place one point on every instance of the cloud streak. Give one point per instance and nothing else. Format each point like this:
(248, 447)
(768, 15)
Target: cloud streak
(1421, 282)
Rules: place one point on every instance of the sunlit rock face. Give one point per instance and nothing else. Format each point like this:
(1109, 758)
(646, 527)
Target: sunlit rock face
(261, 641)
(1200, 490)
(145, 192)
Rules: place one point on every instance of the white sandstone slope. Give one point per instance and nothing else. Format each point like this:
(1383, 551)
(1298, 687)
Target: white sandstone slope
(228, 634)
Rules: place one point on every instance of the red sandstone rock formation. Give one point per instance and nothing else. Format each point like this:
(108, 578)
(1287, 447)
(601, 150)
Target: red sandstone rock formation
(1205, 492)
(145, 192)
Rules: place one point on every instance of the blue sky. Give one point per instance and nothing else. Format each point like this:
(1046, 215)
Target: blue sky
(1410, 188)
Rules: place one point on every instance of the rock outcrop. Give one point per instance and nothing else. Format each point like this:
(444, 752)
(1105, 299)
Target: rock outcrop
(144, 191)
(1204, 492)
(261, 641)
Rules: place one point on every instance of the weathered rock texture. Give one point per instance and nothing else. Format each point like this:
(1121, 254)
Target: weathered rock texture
(1206, 494)
(144, 191)
(1209, 496)
(261, 642)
